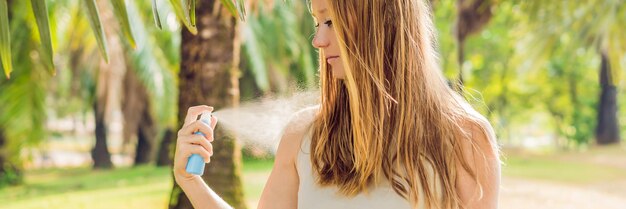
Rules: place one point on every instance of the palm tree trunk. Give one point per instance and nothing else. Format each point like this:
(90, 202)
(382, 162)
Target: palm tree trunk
(460, 60)
(108, 87)
(100, 153)
(138, 119)
(209, 75)
(146, 139)
(164, 157)
(472, 16)
(607, 131)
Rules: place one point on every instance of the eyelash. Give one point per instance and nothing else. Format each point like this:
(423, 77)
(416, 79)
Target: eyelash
(328, 22)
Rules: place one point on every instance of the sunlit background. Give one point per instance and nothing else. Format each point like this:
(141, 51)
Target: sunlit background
(89, 111)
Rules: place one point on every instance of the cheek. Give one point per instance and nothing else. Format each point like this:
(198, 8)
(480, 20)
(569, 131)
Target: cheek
(332, 36)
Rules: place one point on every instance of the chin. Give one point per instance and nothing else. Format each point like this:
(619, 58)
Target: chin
(336, 71)
(338, 76)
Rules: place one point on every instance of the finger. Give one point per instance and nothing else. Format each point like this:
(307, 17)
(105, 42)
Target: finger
(213, 122)
(200, 140)
(195, 127)
(193, 112)
(195, 149)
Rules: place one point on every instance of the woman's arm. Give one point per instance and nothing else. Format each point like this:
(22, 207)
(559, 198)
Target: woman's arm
(187, 143)
(486, 164)
(281, 190)
(201, 195)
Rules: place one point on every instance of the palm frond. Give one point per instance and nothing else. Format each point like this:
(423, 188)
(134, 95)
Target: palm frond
(119, 8)
(182, 13)
(275, 40)
(152, 68)
(43, 23)
(5, 40)
(235, 8)
(595, 24)
(192, 12)
(23, 107)
(96, 26)
(155, 13)
(254, 55)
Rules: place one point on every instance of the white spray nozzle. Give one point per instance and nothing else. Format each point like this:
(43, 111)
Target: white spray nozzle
(206, 117)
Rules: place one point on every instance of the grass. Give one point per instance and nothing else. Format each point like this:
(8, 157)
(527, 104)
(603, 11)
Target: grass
(557, 170)
(83, 188)
(140, 187)
(597, 165)
(149, 186)
(255, 174)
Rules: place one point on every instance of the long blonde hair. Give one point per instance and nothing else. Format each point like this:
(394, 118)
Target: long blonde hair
(393, 116)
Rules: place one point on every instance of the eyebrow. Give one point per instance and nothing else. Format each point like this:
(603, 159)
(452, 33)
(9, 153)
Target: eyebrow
(319, 12)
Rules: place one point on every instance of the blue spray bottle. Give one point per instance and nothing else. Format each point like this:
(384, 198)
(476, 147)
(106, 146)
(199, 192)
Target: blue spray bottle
(195, 164)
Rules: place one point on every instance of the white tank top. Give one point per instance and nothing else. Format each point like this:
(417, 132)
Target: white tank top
(313, 196)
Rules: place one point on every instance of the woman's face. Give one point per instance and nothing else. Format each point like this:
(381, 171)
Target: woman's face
(325, 38)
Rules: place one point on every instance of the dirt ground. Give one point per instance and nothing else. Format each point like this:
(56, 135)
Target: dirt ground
(531, 194)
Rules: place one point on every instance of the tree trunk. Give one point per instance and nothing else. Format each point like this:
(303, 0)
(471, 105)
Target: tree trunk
(460, 60)
(146, 139)
(138, 120)
(607, 130)
(472, 16)
(164, 157)
(209, 75)
(100, 153)
(108, 86)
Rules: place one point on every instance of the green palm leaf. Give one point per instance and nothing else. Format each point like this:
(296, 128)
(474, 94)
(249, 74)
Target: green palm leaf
(119, 8)
(274, 45)
(23, 104)
(257, 61)
(183, 15)
(152, 68)
(230, 6)
(241, 9)
(5, 40)
(236, 7)
(192, 12)
(596, 24)
(96, 27)
(155, 12)
(41, 15)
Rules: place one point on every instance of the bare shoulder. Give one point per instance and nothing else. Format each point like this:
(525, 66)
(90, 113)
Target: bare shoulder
(281, 189)
(481, 153)
(301, 120)
(294, 131)
(480, 133)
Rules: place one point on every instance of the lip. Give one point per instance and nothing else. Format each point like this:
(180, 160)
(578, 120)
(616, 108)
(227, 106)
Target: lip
(331, 58)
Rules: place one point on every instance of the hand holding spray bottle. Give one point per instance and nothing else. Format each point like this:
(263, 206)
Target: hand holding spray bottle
(195, 164)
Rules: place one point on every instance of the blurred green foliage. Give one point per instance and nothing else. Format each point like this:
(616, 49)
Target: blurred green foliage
(538, 59)
(534, 66)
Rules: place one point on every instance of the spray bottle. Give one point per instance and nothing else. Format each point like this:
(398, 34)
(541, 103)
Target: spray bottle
(195, 164)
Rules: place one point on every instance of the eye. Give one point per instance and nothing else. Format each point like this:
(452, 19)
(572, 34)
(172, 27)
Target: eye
(329, 23)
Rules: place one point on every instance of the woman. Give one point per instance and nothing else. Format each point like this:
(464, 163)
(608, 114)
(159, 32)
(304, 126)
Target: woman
(389, 132)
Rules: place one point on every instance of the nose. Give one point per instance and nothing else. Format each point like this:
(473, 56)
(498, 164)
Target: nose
(320, 40)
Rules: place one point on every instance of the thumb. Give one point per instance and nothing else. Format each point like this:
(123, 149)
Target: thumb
(213, 122)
